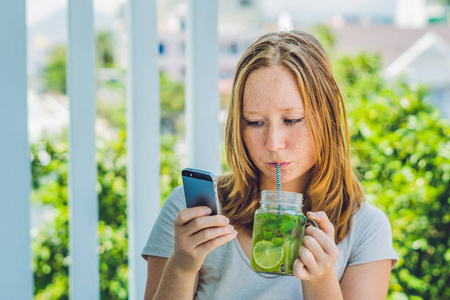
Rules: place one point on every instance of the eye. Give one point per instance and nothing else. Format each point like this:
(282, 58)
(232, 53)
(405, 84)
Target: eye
(293, 121)
(255, 123)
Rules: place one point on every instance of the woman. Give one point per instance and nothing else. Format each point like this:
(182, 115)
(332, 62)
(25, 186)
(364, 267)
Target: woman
(286, 108)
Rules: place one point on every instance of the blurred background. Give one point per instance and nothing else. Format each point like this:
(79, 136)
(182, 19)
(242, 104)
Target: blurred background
(391, 58)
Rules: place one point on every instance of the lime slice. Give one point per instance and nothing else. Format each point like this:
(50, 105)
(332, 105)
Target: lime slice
(267, 256)
(292, 255)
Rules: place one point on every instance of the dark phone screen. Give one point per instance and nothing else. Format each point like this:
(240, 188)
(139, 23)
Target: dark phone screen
(199, 192)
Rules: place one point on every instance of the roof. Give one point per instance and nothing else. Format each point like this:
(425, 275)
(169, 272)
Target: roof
(428, 60)
(387, 40)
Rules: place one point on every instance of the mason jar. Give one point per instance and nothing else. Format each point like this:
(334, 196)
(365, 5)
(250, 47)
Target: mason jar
(278, 230)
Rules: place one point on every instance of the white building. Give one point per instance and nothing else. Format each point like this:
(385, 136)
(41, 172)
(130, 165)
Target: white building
(239, 21)
(422, 55)
(420, 13)
(427, 61)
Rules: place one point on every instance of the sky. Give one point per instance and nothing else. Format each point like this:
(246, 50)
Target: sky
(38, 10)
(338, 6)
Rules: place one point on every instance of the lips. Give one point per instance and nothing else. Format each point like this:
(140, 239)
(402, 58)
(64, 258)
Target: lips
(283, 165)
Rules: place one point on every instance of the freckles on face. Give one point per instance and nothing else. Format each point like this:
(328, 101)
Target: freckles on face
(274, 125)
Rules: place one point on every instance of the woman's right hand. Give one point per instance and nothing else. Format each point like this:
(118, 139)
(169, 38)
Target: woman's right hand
(196, 234)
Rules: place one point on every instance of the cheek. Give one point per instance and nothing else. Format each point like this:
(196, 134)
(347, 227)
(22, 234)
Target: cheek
(304, 145)
(310, 149)
(252, 143)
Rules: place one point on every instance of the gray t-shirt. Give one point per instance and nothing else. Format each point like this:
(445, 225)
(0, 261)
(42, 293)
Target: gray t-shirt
(226, 272)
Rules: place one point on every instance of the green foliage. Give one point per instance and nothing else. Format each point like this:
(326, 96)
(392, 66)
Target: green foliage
(50, 242)
(172, 104)
(112, 192)
(113, 111)
(105, 46)
(170, 167)
(54, 73)
(402, 147)
(223, 159)
(172, 96)
(325, 35)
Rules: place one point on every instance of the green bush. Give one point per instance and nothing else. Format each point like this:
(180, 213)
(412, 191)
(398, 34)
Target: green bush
(50, 242)
(50, 169)
(402, 150)
(54, 73)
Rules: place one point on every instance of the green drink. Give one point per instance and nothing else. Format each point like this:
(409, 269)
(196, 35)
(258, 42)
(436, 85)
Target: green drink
(278, 231)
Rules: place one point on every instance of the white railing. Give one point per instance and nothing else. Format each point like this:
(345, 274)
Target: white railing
(202, 94)
(202, 106)
(142, 137)
(16, 281)
(83, 204)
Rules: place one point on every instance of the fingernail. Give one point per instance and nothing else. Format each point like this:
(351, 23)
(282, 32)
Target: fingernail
(226, 220)
(230, 227)
(235, 233)
(208, 210)
(312, 213)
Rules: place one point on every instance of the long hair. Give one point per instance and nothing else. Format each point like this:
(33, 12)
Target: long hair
(332, 186)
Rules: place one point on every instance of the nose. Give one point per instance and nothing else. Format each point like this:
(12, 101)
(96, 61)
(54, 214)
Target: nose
(275, 138)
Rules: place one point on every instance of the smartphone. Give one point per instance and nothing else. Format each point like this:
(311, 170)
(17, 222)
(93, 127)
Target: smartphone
(200, 189)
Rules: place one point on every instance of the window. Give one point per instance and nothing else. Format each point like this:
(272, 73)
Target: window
(233, 48)
(246, 2)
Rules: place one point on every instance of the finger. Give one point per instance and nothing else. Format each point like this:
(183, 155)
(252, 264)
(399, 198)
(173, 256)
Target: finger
(308, 259)
(201, 223)
(208, 234)
(324, 223)
(299, 270)
(323, 239)
(187, 214)
(315, 248)
(212, 244)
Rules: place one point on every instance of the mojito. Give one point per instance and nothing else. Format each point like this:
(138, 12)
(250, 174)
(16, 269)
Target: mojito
(276, 242)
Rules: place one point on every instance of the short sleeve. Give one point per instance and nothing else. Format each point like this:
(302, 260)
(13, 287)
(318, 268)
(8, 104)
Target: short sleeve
(160, 241)
(372, 237)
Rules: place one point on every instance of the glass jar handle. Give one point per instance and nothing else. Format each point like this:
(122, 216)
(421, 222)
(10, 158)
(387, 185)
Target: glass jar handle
(306, 220)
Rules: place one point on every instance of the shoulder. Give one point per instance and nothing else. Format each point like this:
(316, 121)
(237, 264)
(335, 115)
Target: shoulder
(160, 241)
(175, 201)
(369, 215)
(176, 195)
(368, 222)
(370, 237)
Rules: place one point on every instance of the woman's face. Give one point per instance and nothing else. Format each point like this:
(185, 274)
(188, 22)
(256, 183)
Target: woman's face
(275, 130)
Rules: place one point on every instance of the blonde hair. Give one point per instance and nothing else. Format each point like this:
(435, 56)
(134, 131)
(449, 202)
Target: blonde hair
(332, 185)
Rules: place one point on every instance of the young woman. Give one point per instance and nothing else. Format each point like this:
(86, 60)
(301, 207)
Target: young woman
(286, 108)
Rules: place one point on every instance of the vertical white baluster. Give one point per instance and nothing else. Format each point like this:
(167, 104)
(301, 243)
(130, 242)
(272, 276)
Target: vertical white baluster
(202, 91)
(83, 204)
(143, 123)
(16, 279)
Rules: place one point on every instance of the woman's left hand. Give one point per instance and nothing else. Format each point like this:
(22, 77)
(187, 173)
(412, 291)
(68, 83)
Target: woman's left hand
(319, 250)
